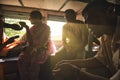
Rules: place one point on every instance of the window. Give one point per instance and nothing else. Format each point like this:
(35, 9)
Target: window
(56, 32)
(10, 32)
(56, 24)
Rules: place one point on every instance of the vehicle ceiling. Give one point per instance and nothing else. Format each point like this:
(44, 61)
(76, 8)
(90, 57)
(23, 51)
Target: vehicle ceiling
(21, 7)
(7, 6)
(56, 5)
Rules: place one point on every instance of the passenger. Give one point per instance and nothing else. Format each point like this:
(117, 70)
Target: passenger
(6, 25)
(74, 38)
(101, 19)
(38, 49)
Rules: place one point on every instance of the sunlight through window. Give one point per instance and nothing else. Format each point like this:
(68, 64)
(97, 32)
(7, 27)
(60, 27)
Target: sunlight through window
(56, 29)
(56, 32)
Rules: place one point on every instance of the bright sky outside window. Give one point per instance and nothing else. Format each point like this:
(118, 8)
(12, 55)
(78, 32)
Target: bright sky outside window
(56, 29)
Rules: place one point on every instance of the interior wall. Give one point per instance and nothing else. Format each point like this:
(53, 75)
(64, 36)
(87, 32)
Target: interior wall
(23, 12)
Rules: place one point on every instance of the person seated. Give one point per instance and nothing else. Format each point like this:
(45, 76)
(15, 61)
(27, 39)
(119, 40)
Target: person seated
(101, 19)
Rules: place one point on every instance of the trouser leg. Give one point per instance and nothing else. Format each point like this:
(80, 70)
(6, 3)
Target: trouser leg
(23, 69)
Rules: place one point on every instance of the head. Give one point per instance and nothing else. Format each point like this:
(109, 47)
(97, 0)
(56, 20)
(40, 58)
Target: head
(35, 16)
(70, 15)
(100, 17)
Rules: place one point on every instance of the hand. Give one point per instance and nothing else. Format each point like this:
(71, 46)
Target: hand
(23, 24)
(65, 69)
(57, 67)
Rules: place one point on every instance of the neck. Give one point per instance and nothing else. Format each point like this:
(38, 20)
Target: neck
(39, 23)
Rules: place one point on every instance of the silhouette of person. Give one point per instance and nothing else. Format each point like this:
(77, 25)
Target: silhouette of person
(38, 50)
(74, 38)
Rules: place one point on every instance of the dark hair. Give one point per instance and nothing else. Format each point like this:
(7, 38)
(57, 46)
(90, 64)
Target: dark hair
(70, 13)
(36, 14)
(96, 5)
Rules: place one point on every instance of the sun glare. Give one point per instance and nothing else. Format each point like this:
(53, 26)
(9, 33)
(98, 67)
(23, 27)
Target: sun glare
(56, 29)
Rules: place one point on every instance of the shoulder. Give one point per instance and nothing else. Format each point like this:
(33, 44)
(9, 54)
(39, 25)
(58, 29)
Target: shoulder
(65, 25)
(46, 27)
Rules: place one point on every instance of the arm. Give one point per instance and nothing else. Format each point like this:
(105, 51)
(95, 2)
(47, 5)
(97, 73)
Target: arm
(28, 34)
(81, 63)
(84, 36)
